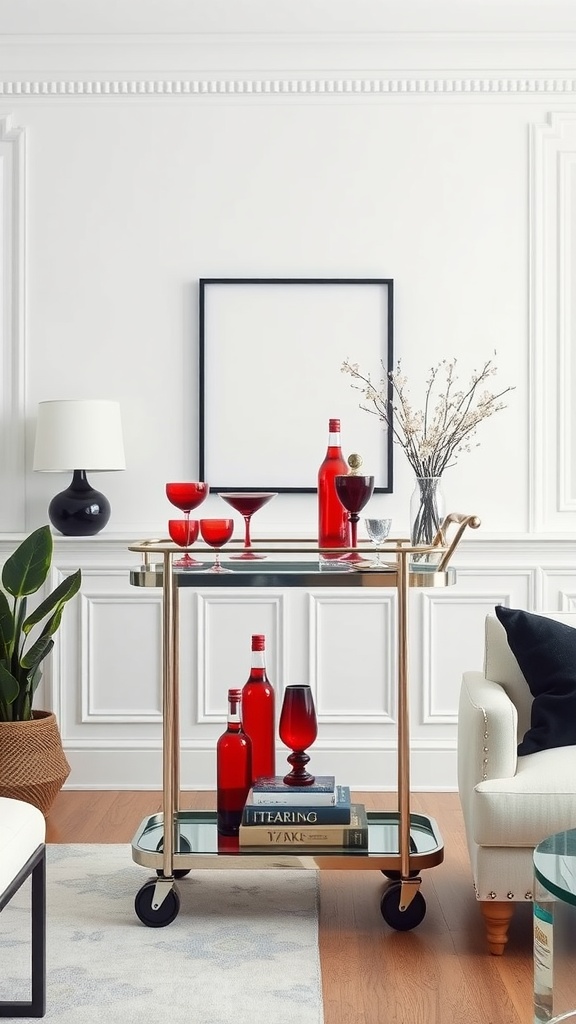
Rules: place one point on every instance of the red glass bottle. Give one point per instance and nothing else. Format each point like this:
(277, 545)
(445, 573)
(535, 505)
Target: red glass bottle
(258, 712)
(233, 769)
(333, 525)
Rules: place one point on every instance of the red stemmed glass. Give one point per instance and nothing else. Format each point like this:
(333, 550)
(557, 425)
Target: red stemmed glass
(354, 492)
(187, 495)
(184, 532)
(247, 503)
(216, 532)
(298, 729)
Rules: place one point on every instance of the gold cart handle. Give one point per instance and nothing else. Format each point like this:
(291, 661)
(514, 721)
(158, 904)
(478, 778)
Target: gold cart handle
(441, 538)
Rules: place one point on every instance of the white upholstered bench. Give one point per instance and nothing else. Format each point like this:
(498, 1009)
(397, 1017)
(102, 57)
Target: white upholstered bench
(22, 853)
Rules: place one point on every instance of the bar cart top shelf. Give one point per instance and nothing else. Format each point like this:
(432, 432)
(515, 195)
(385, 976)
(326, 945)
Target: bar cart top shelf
(298, 563)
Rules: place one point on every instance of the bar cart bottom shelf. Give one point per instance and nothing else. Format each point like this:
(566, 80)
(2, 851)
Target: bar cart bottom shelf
(197, 845)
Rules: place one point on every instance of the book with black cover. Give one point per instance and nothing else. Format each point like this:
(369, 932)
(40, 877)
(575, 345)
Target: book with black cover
(353, 836)
(279, 815)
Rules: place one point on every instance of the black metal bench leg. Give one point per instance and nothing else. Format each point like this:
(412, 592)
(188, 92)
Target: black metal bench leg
(36, 1007)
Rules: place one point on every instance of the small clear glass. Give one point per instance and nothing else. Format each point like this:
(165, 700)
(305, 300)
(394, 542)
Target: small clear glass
(377, 530)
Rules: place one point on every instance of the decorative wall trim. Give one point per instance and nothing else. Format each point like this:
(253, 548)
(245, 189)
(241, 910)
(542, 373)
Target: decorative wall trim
(291, 86)
(552, 503)
(92, 640)
(384, 708)
(12, 335)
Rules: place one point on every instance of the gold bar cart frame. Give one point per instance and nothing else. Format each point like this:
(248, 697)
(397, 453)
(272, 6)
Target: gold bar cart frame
(403, 571)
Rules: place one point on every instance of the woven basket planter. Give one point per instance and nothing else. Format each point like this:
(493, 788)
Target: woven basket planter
(33, 766)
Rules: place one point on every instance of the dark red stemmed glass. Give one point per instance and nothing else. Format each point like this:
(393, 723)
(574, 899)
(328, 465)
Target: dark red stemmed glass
(216, 533)
(298, 729)
(184, 532)
(354, 492)
(247, 503)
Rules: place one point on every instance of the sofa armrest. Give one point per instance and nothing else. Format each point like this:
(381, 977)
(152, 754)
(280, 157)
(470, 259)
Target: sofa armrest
(487, 732)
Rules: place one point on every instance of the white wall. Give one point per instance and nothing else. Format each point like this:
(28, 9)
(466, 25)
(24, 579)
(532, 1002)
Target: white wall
(143, 149)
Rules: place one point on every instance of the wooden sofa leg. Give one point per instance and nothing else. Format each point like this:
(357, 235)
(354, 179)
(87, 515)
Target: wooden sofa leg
(497, 917)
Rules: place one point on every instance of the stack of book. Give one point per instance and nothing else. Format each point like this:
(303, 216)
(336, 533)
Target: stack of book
(320, 815)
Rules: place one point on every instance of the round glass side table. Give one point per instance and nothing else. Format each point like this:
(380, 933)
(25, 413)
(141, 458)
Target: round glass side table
(555, 929)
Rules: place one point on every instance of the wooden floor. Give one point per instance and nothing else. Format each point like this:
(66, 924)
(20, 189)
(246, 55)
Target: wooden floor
(439, 973)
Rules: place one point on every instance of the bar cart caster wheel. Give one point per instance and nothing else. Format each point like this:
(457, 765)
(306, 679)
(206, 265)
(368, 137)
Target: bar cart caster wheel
(402, 920)
(183, 847)
(166, 912)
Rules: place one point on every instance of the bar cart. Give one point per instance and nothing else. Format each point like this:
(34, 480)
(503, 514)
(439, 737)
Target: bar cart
(400, 843)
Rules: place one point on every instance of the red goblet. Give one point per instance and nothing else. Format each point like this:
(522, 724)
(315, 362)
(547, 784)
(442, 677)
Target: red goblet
(184, 532)
(186, 495)
(216, 532)
(298, 729)
(354, 491)
(247, 503)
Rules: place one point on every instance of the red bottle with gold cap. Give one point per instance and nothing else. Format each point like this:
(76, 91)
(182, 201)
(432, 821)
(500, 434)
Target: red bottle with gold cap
(333, 525)
(258, 711)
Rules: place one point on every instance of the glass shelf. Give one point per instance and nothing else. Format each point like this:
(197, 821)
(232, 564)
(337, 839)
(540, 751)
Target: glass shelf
(199, 844)
(287, 574)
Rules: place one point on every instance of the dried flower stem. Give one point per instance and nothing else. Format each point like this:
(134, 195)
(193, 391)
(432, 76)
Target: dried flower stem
(433, 438)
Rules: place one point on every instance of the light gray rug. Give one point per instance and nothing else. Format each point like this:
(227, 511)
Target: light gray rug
(243, 949)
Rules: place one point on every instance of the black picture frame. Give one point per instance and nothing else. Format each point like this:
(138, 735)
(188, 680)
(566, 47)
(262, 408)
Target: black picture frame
(270, 357)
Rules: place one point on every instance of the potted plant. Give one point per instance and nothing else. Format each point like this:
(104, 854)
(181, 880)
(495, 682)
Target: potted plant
(33, 766)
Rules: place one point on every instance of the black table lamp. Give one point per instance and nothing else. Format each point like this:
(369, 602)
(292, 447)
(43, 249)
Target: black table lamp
(71, 434)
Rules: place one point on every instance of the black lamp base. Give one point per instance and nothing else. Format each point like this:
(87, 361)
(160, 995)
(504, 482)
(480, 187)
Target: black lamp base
(79, 511)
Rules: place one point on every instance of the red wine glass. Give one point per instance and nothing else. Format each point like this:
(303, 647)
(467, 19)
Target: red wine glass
(187, 495)
(354, 491)
(184, 532)
(247, 503)
(216, 532)
(298, 729)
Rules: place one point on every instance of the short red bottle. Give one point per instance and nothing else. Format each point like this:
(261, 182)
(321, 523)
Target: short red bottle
(333, 525)
(258, 711)
(233, 769)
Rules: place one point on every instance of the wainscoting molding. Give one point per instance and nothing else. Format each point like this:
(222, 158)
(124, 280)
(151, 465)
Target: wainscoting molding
(12, 309)
(552, 364)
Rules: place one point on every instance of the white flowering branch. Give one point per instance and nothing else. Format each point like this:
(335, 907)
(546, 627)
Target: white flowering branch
(432, 438)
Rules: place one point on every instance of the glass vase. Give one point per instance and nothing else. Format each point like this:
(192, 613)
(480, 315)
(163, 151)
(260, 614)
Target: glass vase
(426, 513)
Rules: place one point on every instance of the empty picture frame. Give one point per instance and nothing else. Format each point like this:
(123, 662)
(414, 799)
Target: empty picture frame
(270, 357)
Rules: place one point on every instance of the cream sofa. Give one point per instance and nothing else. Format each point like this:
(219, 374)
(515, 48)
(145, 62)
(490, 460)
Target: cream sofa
(510, 802)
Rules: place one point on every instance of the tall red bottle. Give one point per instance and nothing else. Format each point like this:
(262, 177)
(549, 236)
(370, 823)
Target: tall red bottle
(333, 525)
(258, 711)
(233, 769)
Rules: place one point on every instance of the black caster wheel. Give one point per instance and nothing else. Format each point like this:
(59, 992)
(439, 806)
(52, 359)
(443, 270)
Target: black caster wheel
(166, 912)
(183, 847)
(402, 920)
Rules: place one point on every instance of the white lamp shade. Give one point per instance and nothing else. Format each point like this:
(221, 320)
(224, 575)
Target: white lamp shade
(84, 434)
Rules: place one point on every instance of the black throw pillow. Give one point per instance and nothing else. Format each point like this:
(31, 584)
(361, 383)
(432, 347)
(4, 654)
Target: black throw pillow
(546, 653)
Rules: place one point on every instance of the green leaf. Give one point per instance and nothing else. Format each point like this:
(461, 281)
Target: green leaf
(9, 688)
(26, 569)
(57, 599)
(37, 653)
(34, 686)
(6, 626)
